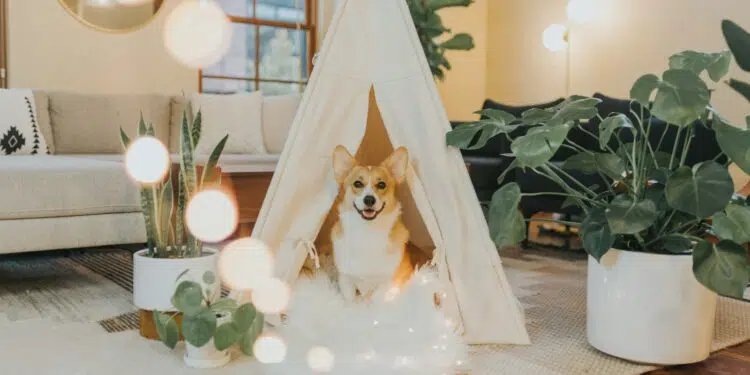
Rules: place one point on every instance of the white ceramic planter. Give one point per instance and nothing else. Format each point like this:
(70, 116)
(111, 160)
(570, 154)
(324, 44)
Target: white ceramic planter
(155, 279)
(649, 308)
(207, 356)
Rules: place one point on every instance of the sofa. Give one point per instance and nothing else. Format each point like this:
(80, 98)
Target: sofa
(80, 195)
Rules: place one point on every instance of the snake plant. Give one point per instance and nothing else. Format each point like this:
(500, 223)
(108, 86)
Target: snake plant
(166, 234)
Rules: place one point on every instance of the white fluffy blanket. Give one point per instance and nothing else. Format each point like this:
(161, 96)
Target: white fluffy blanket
(402, 335)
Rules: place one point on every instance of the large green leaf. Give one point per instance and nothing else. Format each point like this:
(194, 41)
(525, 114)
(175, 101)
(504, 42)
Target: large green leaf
(460, 42)
(575, 110)
(188, 297)
(609, 164)
(249, 336)
(626, 216)
(676, 243)
(702, 190)
(539, 145)
(734, 141)
(244, 316)
(166, 328)
(535, 116)
(741, 87)
(463, 135)
(682, 97)
(643, 87)
(717, 64)
(507, 226)
(739, 43)
(498, 115)
(226, 335)
(610, 125)
(199, 328)
(597, 236)
(722, 267)
(734, 224)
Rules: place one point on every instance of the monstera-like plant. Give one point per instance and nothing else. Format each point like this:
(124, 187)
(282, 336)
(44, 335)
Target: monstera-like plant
(431, 32)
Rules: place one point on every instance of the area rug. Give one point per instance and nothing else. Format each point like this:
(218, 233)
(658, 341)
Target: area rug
(74, 315)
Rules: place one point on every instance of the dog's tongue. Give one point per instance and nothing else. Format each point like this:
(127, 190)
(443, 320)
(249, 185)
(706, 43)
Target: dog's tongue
(368, 213)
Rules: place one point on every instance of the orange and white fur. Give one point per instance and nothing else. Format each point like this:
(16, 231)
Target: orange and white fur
(369, 239)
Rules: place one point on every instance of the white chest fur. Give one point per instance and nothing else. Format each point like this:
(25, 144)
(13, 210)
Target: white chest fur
(364, 249)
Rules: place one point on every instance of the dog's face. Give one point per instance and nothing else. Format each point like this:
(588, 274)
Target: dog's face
(370, 190)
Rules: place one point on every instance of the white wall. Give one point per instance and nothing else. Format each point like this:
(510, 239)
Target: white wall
(48, 48)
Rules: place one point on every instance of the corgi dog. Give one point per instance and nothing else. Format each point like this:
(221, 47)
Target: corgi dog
(368, 237)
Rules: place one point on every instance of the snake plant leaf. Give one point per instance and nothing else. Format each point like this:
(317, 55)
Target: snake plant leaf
(209, 170)
(539, 144)
(507, 226)
(150, 131)
(124, 139)
(609, 164)
(682, 97)
(741, 87)
(627, 216)
(249, 336)
(166, 212)
(244, 316)
(188, 297)
(717, 64)
(722, 267)
(596, 235)
(435, 5)
(734, 142)
(187, 161)
(166, 328)
(610, 125)
(465, 136)
(702, 190)
(196, 128)
(643, 88)
(739, 43)
(149, 217)
(179, 219)
(142, 126)
(575, 110)
(226, 335)
(199, 328)
(733, 224)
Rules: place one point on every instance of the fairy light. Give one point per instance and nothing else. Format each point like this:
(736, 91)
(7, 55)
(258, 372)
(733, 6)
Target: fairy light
(320, 359)
(271, 296)
(211, 216)
(269, 349)
(245, 263)
(147, 160)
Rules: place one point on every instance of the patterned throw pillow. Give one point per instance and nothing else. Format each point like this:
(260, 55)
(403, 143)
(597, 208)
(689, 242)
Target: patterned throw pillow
(19, 130)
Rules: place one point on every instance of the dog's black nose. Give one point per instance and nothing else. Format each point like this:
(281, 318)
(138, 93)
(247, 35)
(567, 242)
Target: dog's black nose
(369, 200)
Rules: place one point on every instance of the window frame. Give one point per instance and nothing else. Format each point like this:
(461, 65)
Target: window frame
(309, 26)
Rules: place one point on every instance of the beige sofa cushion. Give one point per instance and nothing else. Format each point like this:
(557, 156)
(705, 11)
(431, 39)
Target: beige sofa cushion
(89, 123)
(41, 101)
(238, 115)
(278, 115)
(58, 186)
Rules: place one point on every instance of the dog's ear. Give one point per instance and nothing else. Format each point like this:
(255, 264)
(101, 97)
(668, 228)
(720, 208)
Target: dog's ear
(396, 163)
(343, 162)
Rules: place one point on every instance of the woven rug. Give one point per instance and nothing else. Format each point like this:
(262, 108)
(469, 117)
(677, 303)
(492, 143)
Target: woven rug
(74, 315)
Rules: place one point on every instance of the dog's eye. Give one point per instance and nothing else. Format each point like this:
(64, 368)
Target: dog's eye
(358, 184)
(380, 185)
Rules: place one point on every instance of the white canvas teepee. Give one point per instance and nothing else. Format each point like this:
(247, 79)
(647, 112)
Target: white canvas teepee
(371, 90)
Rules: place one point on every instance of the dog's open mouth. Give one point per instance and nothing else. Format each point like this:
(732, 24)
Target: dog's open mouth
(369, 213)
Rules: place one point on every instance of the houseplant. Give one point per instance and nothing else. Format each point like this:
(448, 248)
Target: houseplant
(171, 248)
(210, 325)
(431, 30)
(653, 266)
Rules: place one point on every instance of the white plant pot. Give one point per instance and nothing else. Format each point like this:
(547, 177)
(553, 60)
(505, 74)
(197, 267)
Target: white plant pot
(155, 279)
(649, 308)
(207, 356)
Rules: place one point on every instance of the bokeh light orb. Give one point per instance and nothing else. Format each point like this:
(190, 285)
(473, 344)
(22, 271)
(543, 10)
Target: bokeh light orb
(582, 10)
(198, 33)
(269, 349)
(147, 160)
(271, 296)
(132, 3)
(320, 359)
(245, 264)
(211, 216)
(554, 37)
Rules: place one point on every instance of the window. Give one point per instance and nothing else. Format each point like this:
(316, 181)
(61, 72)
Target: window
(273, 42)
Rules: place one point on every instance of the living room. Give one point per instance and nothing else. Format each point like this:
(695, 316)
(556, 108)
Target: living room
(175, 178)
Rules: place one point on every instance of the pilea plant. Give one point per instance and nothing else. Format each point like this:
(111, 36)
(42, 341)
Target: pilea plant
(166, 233)
(650, 201)
(201, 314)
(430, 29)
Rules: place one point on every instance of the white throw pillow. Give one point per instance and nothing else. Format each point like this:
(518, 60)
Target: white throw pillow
(239, 115)
(278, 115)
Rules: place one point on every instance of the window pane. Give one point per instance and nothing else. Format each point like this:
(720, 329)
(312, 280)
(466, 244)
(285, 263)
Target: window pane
(273, 88)
(226, 86)
(282, 10)
(238, 8)
(283, 54)
(240, 60)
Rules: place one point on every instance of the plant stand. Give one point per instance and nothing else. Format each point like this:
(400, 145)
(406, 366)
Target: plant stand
(147, 327)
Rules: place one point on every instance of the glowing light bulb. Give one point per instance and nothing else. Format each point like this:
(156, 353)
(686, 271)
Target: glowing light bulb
(271, 296)
(582, 10)
(245, 264)
(211, 216)
(147, 160)
(269, 349)
(198, 33)
(554, 37)
(320, 359)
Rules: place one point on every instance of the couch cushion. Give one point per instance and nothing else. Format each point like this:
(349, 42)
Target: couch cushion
(278, 115)
(90, 123)
(55, 186)
(41, 100)
(239, 115)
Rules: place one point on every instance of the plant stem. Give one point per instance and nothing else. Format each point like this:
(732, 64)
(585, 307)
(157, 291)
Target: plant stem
(559, 195)
(686, 147)
(555, 178)
(566, 174)
(580, 148)
(674, 147)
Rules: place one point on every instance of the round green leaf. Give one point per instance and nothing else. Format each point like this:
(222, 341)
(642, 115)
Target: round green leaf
(209, 277)
(676, 243)
(643, 87)
(682, 97)
(539, 145)
(734, 142)
(626, 216)
(166, 328)
(463, 136)
(701, 191)
(722, 267)
(188, 297)
(226, 335)
(734, 224)
(244, 316)
(199, 328)
(507, 226)
(597, 237)
(248, 337)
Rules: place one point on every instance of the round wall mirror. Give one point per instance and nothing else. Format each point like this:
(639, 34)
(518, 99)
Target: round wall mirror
(113, 15)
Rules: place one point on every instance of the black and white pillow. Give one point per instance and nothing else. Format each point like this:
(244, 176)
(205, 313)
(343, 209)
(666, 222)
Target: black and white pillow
(19, 130)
